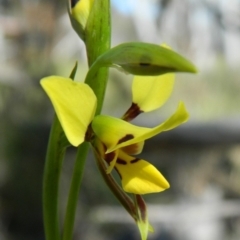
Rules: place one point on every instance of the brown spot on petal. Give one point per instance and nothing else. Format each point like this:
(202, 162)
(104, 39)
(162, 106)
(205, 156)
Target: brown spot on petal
(89, 134)
(121, 161)
(135, 160)
(109, 157)
(126, 138)
(142, 207)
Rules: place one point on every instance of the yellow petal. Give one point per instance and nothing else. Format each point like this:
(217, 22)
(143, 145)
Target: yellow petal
(74, 104)
(116, 133)
(139, 176)
(150, 93)
(80, 11)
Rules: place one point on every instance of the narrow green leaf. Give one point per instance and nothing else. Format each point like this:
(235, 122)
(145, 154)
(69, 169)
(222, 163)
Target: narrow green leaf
(74, 70)
(144, 59)
(52, 172)
(73, 196)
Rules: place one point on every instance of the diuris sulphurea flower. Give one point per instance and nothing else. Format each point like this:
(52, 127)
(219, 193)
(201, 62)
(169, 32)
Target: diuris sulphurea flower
(115, 141)
(75, 105)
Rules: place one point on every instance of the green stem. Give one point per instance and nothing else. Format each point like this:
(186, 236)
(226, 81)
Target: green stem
(97, 44)
(52, 171)
(99, 22)
(124, 199)
(74, 191)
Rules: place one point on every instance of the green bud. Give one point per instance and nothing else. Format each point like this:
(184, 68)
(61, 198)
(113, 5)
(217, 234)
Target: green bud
(79, 11)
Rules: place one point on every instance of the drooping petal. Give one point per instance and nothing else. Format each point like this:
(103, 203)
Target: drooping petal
(74, 104)
(116, 133)
(150, 93)
(139, 176)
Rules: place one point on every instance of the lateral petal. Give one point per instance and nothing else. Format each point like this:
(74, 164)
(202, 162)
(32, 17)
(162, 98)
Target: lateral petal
(74, 104)
(139, 176)
(150, 93)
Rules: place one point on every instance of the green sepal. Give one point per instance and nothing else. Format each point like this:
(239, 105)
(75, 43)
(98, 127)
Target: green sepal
(144, 59)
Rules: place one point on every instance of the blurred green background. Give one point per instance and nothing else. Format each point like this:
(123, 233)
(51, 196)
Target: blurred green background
(201, 159)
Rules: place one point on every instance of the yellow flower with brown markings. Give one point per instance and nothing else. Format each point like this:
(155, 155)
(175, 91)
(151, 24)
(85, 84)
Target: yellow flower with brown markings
(75, 105)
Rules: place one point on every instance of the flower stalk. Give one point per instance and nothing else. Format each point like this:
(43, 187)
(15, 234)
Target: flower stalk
(52, 171)
(99, 20)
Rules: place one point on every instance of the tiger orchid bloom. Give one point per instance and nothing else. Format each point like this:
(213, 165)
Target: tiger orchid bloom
(123, 139)
(116, 139)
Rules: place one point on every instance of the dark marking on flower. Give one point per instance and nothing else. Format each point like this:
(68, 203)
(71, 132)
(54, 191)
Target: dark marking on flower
(74, 2)
(89, 134)
(126, 138)
(132, 112)
(121, 161)
(142, 207)
(135, 160)
(109, 157)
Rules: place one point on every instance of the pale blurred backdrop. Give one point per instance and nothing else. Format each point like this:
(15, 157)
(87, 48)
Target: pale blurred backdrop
(201, 159)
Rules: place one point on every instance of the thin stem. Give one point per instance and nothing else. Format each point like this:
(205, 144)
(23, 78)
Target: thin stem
(74, 191)
(96, 44)
(52, 171)
(125, 200)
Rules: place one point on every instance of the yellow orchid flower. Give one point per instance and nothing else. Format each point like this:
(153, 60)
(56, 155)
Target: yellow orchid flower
(149, 93)
(75, 105)
(122, 138)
